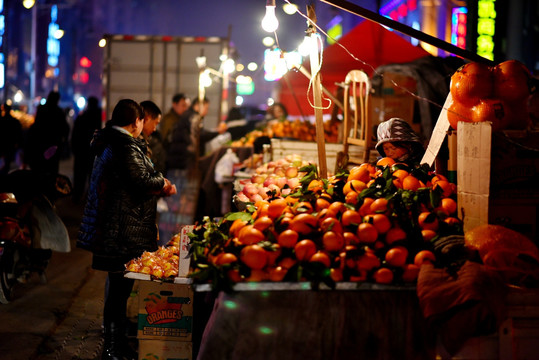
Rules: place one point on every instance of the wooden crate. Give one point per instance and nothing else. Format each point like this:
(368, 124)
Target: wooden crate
(309, 151)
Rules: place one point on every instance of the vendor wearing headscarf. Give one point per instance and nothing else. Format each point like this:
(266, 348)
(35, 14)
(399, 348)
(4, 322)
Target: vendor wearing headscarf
(397, 140)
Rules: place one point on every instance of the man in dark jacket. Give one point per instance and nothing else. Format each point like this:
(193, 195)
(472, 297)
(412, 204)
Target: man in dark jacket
(119, 220)
(83, 130)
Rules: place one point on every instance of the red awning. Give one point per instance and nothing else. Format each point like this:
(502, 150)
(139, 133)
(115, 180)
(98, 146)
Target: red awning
(371, 44)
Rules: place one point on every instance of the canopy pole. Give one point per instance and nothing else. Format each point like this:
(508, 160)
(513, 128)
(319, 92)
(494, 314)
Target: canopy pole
(317, 94)
(407, 30)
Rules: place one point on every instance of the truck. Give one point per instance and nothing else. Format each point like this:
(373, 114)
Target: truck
(143, 67)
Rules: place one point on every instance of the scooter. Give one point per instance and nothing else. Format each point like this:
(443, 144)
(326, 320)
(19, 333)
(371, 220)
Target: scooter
(30, 229)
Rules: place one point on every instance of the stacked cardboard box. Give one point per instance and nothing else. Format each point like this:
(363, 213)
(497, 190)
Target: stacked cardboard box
(497, 176)
(165, 320)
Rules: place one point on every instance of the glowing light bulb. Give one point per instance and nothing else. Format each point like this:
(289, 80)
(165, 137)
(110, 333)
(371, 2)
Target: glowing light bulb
(270, 22)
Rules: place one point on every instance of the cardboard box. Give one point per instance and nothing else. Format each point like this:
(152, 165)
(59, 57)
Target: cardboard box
(497, 178)
(382, 108)
(165, 311)
(165, 350)
(403, 82)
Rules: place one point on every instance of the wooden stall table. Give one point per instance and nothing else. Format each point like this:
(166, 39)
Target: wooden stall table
(291, 321)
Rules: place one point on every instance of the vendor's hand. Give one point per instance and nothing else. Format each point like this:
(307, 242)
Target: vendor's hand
(222, 127)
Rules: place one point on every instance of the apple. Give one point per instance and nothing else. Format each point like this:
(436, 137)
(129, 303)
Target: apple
(293, 182)
(281, 181)
(242, 197)
(270, 180)
(291, 172)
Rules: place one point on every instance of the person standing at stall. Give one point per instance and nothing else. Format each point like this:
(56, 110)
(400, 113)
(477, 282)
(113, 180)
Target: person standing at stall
(180, 104)
(83, 130)
(156, 150)
(119, 219)
(47, 137)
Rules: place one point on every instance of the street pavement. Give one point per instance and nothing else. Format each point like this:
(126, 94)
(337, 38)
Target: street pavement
(62, 318)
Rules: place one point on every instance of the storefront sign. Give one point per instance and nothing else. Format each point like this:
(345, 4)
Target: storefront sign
(53, 44)
(486, 26)
(459, 19)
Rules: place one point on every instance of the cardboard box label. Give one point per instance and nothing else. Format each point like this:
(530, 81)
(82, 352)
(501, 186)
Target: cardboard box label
(165, 350)
(165, 311)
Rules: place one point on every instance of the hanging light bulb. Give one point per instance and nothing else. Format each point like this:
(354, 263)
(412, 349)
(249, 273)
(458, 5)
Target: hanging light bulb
(270, 22)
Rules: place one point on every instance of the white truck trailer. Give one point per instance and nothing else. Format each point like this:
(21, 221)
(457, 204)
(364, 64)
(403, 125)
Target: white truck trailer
(155, 68)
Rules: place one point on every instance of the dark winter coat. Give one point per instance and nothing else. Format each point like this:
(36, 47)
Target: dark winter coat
(119, 220)
(181, 148)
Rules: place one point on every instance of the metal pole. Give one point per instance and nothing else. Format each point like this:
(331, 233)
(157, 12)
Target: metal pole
(407, 30)
(33, 56)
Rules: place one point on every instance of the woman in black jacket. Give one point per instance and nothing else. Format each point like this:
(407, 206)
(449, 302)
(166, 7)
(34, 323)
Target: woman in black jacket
(119, 220)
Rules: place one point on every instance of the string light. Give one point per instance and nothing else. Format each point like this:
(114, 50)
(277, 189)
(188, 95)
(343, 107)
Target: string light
(270, 22)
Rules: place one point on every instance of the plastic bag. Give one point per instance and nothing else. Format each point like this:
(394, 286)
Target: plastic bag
(218, 141)
(224, 169)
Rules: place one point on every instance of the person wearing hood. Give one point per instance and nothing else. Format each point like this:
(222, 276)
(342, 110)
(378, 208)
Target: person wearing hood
(397, 140)
(119, 219)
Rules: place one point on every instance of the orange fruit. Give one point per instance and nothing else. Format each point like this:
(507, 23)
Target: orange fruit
(234, 275)
(396, 256)
(379, 205)
(445, 186)
(257, 275)
(350, 238)
(511, 80)
(316, 186)
(350, 217)
(336, 274)
(353, 185)
(383, 276)
(424, 257)
(458, 112)
(336, 208)
(428, 221)
(472, 82)
(331, 224)
(302, 207)
(250, 235)
(321, 203)
(428, 235)
(365, 208)
(362, 173)
(410, 273)
(368, 261)
(304, 250)
(254, 256)
(303, 223)
(400, 174)
(410, 182)
(494, 110)
(450, 220)
(287, 262)
(226, 258)
(263, 223)
(448, 206)
(380, 221)
(236, 227)
(288, 238)
(277, 207)
(274, 253)
(277, 273)
(332, 241)
(385, 161)
(395, 234)
(351, 198)
(367, 233)
(322, 258)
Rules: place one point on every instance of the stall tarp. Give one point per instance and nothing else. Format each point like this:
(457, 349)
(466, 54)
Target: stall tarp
(370, 45)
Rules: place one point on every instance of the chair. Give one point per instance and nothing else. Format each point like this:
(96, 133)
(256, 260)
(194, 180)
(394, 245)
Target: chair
(357, 128)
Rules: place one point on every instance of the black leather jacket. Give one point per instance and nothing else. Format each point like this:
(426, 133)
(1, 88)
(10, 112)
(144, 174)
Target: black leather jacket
(119, 220)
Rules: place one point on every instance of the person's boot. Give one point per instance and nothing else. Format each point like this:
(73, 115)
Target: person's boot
(112, 349)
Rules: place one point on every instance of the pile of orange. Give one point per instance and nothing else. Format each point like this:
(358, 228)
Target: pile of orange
(497, 94)
(373, 223)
